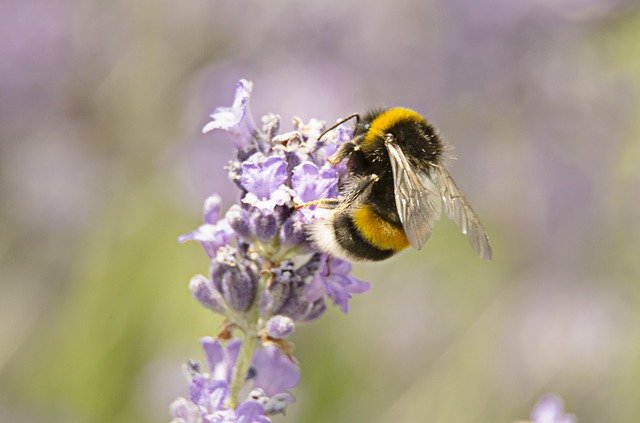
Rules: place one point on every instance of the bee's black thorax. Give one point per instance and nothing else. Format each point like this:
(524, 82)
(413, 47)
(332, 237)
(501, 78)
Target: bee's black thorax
(418, 140)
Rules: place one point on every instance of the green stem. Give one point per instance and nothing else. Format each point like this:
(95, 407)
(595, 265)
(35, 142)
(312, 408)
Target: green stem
(249, 345)
(241, 370)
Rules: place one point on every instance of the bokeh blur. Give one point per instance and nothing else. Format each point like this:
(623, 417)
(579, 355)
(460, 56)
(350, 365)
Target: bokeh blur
(102, 165)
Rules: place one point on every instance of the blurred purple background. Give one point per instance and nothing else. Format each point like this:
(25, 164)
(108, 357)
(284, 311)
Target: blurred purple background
(102, 165)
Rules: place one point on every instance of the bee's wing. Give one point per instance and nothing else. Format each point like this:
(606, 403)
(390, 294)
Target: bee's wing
(458, 209)
(417, 197)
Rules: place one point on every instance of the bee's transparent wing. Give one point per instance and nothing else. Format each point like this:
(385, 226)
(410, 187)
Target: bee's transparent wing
(458, 209)
(417, 197)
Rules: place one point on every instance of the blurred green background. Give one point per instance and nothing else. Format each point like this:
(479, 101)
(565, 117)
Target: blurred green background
(102, 165)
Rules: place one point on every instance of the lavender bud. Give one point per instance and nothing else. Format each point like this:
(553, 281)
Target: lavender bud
(300, 309)
(204, 291)
(292, 233)
(237, 282)
(274, 297)
(224, 259)
(264, 225)
(282, 213)
(238, 219)
(239, 288)
(279, 327)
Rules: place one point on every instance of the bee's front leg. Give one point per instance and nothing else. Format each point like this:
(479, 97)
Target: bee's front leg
(323, 203)
(359, 187)
(343, 152)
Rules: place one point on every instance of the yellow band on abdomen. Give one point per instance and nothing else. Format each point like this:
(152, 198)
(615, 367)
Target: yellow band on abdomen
(378, 232)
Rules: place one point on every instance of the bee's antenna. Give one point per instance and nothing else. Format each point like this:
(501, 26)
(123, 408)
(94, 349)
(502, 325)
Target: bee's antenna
(340, 122)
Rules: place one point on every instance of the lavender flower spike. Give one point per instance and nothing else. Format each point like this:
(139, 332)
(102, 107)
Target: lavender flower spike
(265, 276)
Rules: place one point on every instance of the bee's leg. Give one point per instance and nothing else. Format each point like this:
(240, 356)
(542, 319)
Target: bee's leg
(323, 203)
(359, 187)
(343, 152)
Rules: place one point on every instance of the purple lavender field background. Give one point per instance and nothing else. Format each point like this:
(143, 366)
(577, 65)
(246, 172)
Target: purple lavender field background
(102, 166)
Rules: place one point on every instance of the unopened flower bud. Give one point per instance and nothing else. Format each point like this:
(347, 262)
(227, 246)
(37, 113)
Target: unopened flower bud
(264, 225)
(274, 297)
(279, 327)
(237, 281)
(204, 291)
(238, 219)
(292, 232)
(300, 309)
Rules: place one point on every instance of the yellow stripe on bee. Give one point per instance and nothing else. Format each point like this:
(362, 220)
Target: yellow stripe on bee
(378, 232)
(385, 120)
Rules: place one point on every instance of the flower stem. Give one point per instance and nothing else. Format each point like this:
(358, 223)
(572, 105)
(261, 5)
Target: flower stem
(241, 370)
(249, 344)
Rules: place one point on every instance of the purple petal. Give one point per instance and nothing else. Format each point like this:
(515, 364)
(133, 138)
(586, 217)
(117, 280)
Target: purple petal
(264, 180)
(335, 276)
(275, 372)
(217, 397)
(315, 289)
(198, 388)
(237, 119)
(311, 182)
(251, 411)
(220, 360)
(210, 236)
(211, 209)
(262, 176)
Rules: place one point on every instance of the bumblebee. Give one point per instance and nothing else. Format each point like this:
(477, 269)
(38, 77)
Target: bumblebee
(395, 190)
